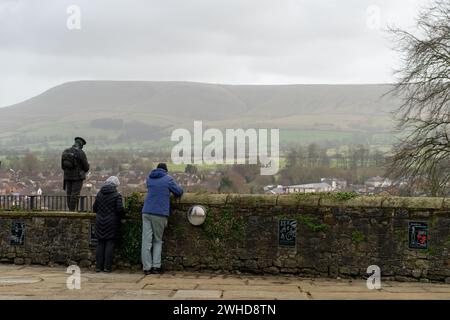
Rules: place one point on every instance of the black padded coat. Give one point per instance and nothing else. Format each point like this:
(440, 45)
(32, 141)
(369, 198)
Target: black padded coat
(109, 210)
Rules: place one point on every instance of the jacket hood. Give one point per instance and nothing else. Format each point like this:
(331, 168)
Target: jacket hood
(108, 188)
(157, 173)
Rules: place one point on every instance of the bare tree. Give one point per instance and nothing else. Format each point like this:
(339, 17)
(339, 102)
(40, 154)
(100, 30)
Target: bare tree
(422, 155)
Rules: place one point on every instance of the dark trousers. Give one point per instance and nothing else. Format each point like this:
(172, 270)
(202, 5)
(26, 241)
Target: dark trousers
(104, 254)
(73, 190)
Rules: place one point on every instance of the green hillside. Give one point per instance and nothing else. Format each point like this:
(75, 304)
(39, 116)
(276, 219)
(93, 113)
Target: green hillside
(142, 114)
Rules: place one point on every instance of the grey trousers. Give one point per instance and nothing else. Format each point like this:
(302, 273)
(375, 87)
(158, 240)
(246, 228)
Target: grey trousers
(152, 232)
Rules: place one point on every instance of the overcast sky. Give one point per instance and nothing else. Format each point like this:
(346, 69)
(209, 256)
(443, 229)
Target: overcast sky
(220, 41)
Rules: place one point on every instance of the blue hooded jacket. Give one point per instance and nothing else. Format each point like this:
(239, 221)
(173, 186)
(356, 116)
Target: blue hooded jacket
(159, 186)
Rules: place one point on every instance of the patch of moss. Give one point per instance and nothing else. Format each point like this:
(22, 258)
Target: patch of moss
(344, 196)
(338, 196)
(357, 237)
(303, 196)
(312, 224)
(310, 221)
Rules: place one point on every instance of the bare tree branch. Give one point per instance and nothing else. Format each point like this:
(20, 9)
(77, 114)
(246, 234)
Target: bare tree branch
(422, 156)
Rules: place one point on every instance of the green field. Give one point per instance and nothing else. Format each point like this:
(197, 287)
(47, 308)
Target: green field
(304, 137)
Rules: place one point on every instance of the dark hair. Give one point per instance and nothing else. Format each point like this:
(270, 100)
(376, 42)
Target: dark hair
(162, 166)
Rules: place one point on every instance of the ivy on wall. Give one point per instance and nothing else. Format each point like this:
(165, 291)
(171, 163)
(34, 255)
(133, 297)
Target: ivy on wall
(131, 231)
(224, 227)
(312, 222)
(130, 246)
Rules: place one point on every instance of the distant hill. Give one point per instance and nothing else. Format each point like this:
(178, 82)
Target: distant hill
(137, 112)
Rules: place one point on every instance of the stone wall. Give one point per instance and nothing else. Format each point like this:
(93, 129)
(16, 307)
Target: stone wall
(49, 238)
(335, 237)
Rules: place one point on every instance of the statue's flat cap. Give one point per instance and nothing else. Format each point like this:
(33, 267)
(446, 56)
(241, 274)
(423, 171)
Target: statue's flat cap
(81, 140)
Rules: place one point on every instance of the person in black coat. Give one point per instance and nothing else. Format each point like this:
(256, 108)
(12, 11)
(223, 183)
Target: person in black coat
(109, 210)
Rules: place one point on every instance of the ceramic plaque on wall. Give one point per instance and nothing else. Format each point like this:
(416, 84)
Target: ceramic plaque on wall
(17, 233)
(287, 232)
(92, 238)
(418, 235)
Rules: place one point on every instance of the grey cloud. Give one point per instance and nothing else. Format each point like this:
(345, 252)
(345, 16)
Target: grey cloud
(232, 41)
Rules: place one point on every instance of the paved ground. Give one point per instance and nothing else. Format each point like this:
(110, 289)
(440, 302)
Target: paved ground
(30, 282)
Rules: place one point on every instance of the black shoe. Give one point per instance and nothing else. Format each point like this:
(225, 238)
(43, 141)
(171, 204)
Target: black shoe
(157, 270)
(147, 272)
(107, 270)
(98, 270)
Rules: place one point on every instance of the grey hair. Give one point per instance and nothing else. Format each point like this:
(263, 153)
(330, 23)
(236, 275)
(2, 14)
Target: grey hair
(113, 180)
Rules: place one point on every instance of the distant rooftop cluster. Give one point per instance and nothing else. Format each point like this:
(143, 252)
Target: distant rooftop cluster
(373, 185)
(50, 183)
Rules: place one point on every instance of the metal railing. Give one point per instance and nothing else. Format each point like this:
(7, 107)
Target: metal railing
(44, 203)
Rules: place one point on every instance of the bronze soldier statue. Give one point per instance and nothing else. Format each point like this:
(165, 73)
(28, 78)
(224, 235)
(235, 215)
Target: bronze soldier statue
(75, 165)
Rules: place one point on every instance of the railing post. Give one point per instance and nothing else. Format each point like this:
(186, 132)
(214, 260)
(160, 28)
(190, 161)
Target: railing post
(44, 202)
(82, 204)
(32, 202)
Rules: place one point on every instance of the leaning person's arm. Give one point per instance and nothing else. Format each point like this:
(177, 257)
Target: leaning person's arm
(175, 188)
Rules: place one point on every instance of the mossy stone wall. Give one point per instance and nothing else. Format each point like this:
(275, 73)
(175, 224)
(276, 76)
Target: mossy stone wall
(337, 236)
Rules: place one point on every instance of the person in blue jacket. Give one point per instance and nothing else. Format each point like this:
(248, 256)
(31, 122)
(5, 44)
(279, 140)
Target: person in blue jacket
(155, 213)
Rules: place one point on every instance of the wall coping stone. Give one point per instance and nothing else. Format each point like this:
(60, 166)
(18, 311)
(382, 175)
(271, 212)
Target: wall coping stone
(315, 200)
(268, 200)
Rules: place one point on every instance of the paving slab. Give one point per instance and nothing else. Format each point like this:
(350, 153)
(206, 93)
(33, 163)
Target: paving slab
(32, 293)
(332, 289)
(123, 286)
(113, 277)
(151, 279)
(409, 289)
(140, 295)
(418, 296)
(405, 284)
(369, 295)
(275, 281)
(16, 279)
(4, 268)
(264, 295)
(68, 296)
(62, 279)
(41, 269)
(438, 288)
(51, 288)
(251, 288)
(336, 283)
(171, 286)
(315, 286)
(198, 294)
